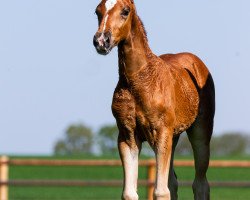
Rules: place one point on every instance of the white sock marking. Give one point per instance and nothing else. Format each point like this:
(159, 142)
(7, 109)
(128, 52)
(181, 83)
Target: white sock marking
(131, 173)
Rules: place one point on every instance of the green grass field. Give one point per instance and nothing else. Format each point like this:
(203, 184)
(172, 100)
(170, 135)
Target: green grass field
(115, 173)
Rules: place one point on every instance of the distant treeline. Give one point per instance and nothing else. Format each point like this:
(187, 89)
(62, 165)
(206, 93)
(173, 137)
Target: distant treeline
(80, 139)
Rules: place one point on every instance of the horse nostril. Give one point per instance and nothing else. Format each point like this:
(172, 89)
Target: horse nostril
(107, 36)
(102, 42)
(108, 40)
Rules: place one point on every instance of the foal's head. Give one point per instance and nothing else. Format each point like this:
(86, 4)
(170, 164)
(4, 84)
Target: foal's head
(114, 19)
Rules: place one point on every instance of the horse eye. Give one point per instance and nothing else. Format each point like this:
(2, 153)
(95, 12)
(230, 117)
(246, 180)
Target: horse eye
(125, 12)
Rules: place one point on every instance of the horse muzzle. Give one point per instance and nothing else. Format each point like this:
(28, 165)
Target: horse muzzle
(102, 42)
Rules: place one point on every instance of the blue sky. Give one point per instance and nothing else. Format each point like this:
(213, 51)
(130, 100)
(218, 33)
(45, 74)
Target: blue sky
(51, 76)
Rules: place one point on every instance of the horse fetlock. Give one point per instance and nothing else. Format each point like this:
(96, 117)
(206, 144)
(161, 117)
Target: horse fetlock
(130, 196)
(200, 183)
(162, 194)
(173, 187)
(172, 182)
(201, 196)
(201, 189)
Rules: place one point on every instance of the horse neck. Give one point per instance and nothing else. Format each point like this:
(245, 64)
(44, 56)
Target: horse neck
(134, 53)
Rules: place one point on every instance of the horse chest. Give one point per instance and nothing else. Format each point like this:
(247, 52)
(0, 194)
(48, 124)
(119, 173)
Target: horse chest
(152, 120)
(132, 113)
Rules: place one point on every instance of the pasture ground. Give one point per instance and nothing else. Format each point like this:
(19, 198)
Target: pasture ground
(115, 173)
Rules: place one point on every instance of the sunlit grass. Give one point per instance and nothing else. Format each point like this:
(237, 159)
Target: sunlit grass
(115, 173)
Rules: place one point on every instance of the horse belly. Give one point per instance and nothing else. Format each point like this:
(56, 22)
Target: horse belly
(187, 104)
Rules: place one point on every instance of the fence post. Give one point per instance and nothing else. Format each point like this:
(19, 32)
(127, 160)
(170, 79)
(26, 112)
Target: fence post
(4, 173)
(151, 180)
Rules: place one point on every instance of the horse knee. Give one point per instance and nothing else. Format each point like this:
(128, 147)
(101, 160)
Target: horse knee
(162, 194)
(130, 196)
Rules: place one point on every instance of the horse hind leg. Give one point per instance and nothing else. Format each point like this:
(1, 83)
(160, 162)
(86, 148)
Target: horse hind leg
(199, 135)
(172, 180)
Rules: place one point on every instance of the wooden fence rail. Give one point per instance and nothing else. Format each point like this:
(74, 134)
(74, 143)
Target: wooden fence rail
(5, 162)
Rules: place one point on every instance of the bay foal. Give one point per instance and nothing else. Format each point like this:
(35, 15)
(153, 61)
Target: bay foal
(155, 100)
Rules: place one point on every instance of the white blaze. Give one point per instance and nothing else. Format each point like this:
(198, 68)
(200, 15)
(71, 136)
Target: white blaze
(105, 22)
(110, 4)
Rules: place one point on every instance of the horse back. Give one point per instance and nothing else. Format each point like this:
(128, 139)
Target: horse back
(191, 63)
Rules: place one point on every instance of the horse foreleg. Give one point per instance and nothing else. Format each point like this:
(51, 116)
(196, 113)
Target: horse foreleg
(172, 180)
(129, 151)
(163, 150)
